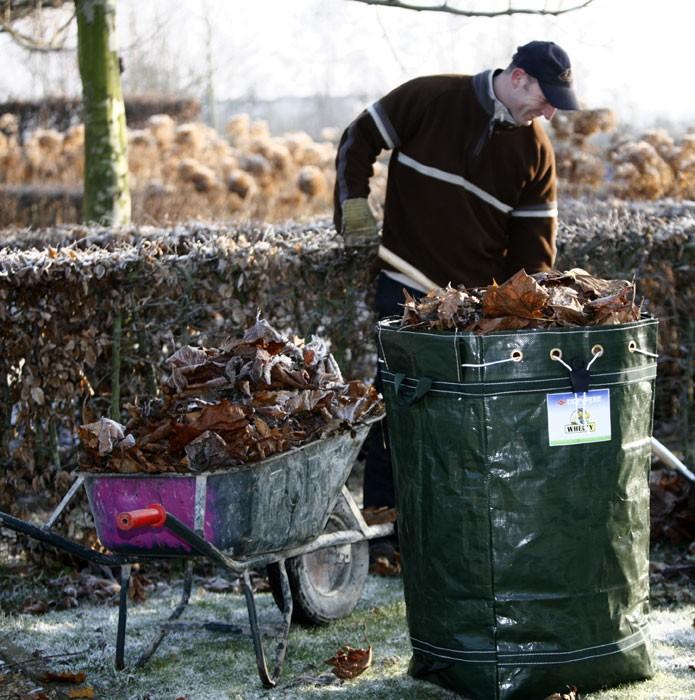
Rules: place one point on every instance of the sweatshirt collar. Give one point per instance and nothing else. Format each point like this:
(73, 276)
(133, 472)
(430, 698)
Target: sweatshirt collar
(499, 116)
(482, 84)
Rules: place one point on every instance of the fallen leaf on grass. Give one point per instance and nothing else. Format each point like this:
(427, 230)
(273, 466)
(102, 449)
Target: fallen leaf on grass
(323, 679)
(63, 677)
(571, 694)
(33, 606)
(349, 662)
(86, 692)
(139, 587)
(219, 584)
(383, 567)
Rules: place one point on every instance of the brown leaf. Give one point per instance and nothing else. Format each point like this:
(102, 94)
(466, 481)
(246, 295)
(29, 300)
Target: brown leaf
(450, 301)
(503, 323)
(613, 309)
(350, 663)
(188, 356)
(261, 427)
(86, 692)
(63, 677)
(163, 430)
(181, 435)
(383, 567)
(411, 315)
(567, 306)
(262, 333)
(570, 694)
(124, 465)
(139, 587)
(34, 606)
(219, 584)
(519, 296)
(290, 378)
(107, 432)
(305, 400)
(221, 416)
(378, 516)
(594, 287)
(207, 451)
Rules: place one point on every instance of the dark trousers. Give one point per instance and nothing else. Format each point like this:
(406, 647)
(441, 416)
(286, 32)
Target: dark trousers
(378, 473)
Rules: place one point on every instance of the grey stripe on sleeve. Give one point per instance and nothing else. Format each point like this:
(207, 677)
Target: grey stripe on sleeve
(383, 123)
(548, 210)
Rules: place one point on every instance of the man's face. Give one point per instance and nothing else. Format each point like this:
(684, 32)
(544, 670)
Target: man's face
(528, 101)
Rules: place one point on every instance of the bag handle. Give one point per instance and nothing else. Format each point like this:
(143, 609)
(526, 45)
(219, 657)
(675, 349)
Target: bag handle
(423, 385)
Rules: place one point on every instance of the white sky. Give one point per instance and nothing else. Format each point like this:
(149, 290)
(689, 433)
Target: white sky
(634, 56)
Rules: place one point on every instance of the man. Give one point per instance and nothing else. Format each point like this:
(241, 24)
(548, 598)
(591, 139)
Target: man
(471, 190)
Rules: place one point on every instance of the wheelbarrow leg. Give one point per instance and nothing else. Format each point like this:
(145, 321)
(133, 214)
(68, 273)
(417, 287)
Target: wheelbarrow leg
(122, 616)
(270, 680)
(185, 596)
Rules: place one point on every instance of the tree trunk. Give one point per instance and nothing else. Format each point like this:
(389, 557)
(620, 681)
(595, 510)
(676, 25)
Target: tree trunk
(106, 191)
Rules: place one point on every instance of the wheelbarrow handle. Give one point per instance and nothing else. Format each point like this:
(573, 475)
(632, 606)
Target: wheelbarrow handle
(154, 515)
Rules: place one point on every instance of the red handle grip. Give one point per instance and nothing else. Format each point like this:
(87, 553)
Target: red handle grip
(153, 515)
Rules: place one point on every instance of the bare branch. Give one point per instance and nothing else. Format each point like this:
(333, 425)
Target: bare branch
(54, 43)
(446, 7)
(12, 11)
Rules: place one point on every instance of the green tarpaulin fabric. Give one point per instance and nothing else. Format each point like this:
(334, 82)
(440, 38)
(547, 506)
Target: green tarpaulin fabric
(523, 500)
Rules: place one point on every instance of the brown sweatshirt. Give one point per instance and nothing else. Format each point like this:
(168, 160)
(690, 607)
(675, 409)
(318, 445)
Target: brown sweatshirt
(468, 199)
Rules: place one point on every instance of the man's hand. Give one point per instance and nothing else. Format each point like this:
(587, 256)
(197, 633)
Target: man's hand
(359, 224)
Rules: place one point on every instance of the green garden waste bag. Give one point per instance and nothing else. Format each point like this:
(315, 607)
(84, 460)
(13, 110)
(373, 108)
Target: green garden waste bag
(521, 464)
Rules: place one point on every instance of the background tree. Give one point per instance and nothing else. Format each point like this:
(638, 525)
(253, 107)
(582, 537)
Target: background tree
(106, 191)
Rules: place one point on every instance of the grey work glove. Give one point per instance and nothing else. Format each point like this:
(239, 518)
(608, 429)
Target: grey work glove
(359, 224)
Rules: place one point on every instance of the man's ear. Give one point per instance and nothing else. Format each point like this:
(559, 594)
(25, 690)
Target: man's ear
(517, 77)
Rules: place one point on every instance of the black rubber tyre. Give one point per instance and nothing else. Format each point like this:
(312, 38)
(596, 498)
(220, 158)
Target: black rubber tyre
(327, 584)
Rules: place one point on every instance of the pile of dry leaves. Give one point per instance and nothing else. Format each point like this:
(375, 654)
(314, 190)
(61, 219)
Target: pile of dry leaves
(572, 298)
(227, 406)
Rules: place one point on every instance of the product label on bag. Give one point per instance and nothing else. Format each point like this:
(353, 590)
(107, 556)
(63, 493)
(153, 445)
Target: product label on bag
(577, 418)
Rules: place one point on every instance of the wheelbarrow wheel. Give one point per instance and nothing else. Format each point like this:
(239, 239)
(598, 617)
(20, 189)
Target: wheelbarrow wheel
(327, 584)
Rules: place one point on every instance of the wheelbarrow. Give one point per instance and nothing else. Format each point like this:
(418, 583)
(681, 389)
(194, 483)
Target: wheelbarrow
(291, 513)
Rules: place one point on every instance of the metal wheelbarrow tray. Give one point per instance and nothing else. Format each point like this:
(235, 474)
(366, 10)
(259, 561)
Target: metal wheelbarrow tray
(243, 518)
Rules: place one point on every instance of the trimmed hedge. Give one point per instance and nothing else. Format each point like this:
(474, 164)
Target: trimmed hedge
(84, 310)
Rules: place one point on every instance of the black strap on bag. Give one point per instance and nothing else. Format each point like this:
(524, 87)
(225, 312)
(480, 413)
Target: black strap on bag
(421, 388)
(580, 376)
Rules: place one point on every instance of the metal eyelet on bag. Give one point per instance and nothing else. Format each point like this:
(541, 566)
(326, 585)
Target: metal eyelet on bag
(556, 354)
(597, 350)
(632, 346)
(517, 356)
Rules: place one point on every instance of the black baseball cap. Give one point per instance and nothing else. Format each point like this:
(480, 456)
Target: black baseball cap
(550, 66)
